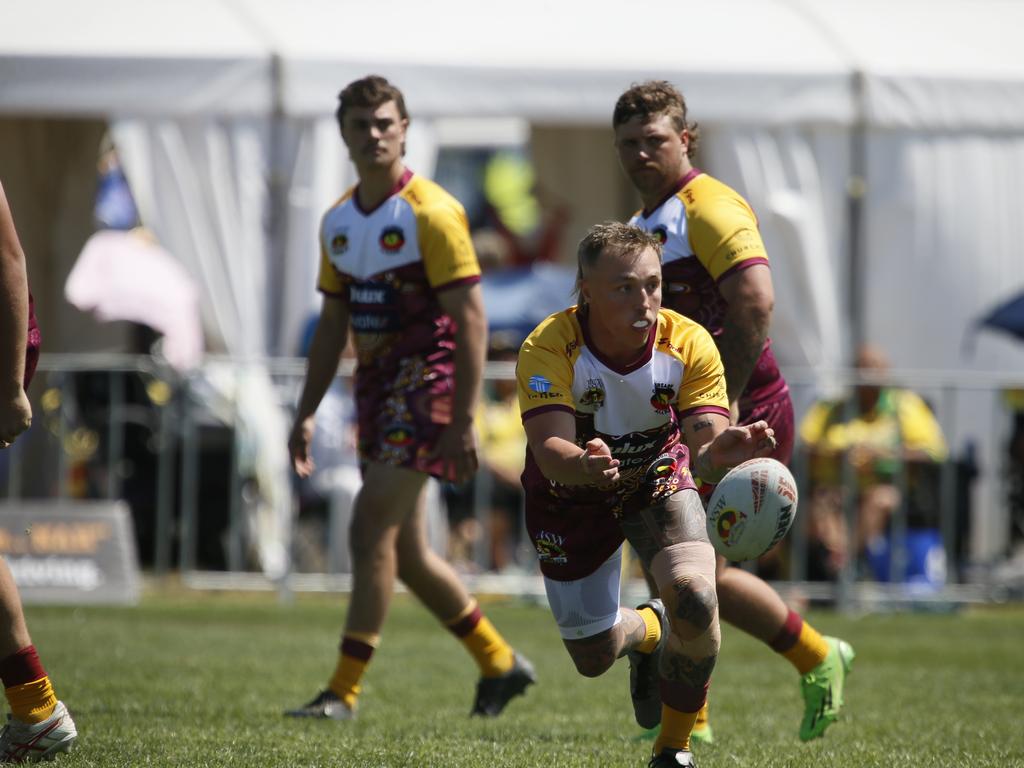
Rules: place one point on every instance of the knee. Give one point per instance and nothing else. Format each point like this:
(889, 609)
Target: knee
(693, 607)
(591, 665)
(593, 656)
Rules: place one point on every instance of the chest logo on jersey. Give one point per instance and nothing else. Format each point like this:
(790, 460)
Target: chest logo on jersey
(392, 239)
(339, 243)
(661, 233)
(662, 397)
(593, 395)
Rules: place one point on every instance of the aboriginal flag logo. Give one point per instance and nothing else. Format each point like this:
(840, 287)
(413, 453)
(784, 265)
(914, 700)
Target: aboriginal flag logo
(661, 234)
(392, 239)
(398, 435)
(662, 397)
(730, 525)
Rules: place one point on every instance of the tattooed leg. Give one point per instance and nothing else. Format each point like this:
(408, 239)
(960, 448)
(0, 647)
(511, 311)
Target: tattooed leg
(593, 656)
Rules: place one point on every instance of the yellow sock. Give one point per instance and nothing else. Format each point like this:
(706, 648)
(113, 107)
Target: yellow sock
(356, 650)
(492, 654)
(702, 718)
(809, 650)
(653, 635)
(32, 702)
(676, 727)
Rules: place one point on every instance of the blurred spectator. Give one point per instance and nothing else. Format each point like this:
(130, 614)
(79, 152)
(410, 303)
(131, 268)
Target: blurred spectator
(882, 431)
(497, 488)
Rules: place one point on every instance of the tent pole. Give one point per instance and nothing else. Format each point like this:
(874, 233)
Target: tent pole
(856, 189)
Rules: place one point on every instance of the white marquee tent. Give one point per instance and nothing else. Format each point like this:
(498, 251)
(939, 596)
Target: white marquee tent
(222, 114)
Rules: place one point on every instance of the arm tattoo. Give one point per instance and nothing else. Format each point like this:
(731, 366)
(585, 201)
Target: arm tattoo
(702, 424)
(740, 346)
(701, 468)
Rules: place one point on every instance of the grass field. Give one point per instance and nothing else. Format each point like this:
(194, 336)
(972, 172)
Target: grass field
(201, 679)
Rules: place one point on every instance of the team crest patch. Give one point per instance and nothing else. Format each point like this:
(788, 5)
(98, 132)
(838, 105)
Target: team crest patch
(398, 435)
(593, 395)
(661, 234)
(339, 244)
(539, 384)
(662, 397)
(392, 239)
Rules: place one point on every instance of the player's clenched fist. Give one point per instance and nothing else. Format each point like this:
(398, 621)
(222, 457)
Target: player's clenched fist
(15, 416)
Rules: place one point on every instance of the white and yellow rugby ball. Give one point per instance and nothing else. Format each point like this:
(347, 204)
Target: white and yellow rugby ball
(751, 509)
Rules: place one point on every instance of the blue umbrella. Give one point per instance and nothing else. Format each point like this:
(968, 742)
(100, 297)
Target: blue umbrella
(1008, 317)
(517, 300)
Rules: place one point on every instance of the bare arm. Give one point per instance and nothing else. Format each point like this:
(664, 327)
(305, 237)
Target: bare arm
(324, 354)
(751, 298)
(15, 411)
(457, 444)
(715, 447)
(551, 437)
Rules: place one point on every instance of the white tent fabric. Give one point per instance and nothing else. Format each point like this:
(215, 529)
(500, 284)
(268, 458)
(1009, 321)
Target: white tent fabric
(217, 102)
(108, 57)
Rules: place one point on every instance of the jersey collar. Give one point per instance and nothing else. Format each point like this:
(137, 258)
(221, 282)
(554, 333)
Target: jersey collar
(399, 186)
(690, 176)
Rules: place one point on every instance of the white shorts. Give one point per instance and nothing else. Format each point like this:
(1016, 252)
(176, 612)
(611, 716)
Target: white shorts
(587, 606)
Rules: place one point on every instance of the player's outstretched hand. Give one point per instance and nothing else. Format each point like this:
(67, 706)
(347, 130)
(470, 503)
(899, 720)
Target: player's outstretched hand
(597, 463)
(456, 447)
(298, 447)
(735, 445)
(15, 416)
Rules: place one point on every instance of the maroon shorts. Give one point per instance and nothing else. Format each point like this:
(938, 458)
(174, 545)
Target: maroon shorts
(576, 529)
(402, 414)
(778, 412)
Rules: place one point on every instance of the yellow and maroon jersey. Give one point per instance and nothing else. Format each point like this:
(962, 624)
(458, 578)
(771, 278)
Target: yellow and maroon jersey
(709, 232)
(390, 263)
(635, 410)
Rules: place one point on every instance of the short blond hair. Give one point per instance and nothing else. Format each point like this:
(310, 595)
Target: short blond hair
(614, 237)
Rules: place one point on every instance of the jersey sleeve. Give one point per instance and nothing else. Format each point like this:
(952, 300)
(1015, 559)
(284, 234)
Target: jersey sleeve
(330, 280)
(723, 233)
(446, 246)
(703, 387)
(919, 428)
(544, 372)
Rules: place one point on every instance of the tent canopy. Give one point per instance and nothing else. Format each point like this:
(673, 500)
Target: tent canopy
(944, 63)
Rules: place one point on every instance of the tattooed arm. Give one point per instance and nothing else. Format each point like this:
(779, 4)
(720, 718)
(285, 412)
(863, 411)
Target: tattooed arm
(715, 447)
(751, 298)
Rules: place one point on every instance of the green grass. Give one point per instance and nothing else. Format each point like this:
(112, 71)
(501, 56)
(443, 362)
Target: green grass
(201, 679)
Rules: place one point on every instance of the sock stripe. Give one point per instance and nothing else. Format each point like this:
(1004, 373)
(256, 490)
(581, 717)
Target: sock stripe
(682, 697)
(21, 667)
(357, 649)
(789, 633)
(465, 625)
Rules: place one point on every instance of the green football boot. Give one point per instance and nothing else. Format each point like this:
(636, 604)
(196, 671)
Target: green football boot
(822, 688)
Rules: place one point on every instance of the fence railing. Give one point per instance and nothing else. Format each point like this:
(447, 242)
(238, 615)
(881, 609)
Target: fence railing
(182, 450)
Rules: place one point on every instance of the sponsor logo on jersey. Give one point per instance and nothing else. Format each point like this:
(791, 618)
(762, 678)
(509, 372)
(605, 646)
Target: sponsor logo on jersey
(661, 468)
(593, 395)
(550, 548)
(662, 397)
(539, 384)
(660, 233)
(730, 525)
(392, 239)
(368, 294)
(339, 244)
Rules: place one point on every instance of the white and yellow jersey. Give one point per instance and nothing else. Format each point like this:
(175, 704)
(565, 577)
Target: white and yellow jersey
(388, 265)
(635, 410)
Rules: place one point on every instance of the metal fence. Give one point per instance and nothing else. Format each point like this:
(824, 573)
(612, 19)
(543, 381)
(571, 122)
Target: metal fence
(126, 427)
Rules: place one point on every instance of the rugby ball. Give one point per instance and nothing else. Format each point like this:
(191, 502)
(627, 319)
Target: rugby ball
(751, 509)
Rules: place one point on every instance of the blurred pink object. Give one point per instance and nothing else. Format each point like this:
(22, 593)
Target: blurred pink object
(126, 276)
